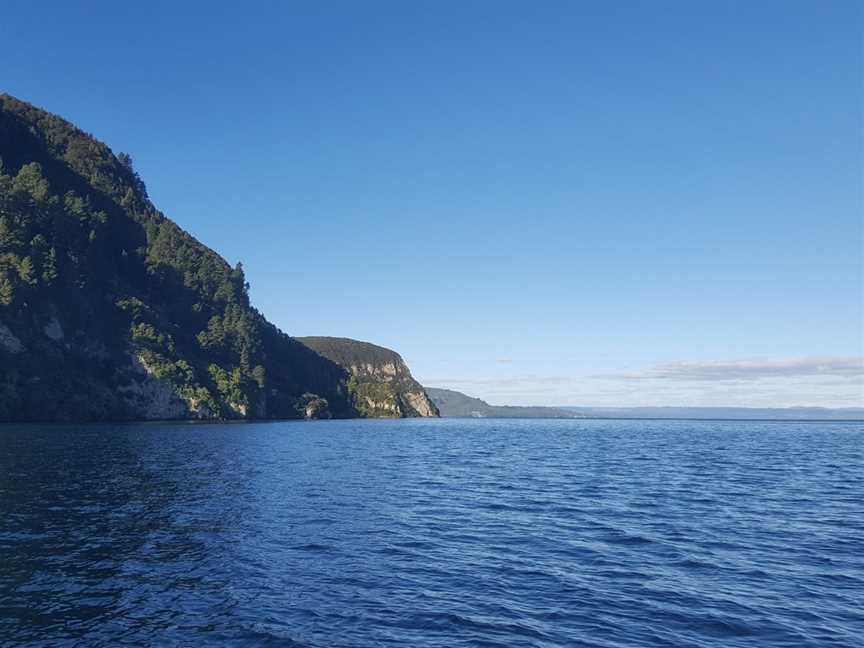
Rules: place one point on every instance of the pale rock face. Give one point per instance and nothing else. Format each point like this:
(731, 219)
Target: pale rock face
(8, 340)
(421, 403)
(406, 403)
(156, 398)
(390, 370)
(386, 406)
(153, 398)
(199, 409)
(380, 380)
(384, 372)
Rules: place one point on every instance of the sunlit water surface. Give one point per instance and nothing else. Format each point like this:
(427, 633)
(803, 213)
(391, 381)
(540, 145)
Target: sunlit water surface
(433, 533)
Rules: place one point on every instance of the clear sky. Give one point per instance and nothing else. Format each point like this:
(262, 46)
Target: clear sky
(596, 203)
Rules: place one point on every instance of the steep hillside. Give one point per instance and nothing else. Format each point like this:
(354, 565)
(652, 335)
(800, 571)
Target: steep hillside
(457, 404)
(108, 310)
(380, 381)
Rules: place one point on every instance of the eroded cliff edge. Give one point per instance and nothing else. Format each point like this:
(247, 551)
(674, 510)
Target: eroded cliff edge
(380, 381)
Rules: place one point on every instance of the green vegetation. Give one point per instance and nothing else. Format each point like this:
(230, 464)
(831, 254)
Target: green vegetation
(103, 294)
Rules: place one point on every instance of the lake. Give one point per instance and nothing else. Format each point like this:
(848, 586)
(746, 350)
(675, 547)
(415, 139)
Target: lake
(445, 533)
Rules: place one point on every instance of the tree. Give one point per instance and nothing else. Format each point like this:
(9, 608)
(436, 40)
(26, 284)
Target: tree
(26, 272)
(213, 337)
(49, 267)
(7, 291)
(230, 385)
(240, 277)
(129, 199)
(126, 160)
(31, 181)
(8, 237)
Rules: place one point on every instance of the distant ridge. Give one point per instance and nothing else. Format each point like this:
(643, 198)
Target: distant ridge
(452, 403)
(456, 404)
(730, 413)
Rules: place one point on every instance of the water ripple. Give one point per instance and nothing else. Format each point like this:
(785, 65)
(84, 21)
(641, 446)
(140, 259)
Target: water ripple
(450, 533)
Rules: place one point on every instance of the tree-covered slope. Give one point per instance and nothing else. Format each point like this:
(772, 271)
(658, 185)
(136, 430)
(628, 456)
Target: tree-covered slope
(381, 383)
(108, 310)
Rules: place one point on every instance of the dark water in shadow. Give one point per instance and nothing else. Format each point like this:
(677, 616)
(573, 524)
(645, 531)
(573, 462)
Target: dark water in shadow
(433, 533)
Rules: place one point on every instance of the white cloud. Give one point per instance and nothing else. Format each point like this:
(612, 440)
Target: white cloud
(789, 382)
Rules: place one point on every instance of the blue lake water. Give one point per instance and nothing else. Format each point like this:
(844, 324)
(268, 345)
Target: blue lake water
(442, 533)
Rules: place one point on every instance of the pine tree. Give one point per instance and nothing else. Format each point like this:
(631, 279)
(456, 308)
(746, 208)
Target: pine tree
(8, 236)
(26, 272)
(49, 267)
(7, 291)
(31, 181)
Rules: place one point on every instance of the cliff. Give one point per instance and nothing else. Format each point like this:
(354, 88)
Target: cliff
(110, 311)
(381, 384)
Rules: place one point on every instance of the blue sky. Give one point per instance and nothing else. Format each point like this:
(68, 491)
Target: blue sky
(598, 203)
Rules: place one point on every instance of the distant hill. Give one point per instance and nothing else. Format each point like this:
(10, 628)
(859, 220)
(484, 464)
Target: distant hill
(740, 413)
(380, 381)
(456, 404)
(110, 311)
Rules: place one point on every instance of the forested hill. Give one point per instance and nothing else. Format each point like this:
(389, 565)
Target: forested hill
(108, 310)
(457, 404)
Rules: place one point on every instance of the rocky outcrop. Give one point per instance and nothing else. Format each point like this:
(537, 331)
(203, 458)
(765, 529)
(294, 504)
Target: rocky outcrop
(421, 403)
(150, 397)
(380, 383)
(315, 407)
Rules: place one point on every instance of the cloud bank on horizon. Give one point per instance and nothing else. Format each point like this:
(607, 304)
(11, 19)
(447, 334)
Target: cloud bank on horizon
(754, 369)
(830, 381)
